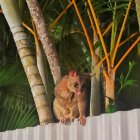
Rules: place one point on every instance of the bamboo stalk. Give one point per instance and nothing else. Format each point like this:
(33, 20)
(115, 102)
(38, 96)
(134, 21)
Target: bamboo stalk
(99, 32)
(126, 53)
(120, 34)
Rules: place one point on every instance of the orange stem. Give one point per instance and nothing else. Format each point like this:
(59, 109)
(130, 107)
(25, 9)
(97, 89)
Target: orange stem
(131, 36)
(99, 32)
(120, 34)
(122, 43)
(60, 15)
(95, 36)
(84, 29)
(92, 25)
(28, 28)
(101, 61)
(107, 29)
(35, 35)
(126, 53)
(105, 74)
(91, 20)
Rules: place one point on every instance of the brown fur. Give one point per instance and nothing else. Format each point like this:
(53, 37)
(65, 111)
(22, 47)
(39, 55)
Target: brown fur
(70, 98)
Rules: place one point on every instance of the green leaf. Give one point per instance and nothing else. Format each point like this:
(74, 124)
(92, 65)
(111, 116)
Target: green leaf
(111, 109)
(17, 115)
(122, 79)
(130, 83)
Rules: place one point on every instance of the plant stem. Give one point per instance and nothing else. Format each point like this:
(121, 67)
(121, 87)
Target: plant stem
(120, 34)
(93, 55)
(60, 15)
(99, 32)
(126, 53)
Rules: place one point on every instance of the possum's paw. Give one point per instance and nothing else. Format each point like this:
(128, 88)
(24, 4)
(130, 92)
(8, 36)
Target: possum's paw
(82, 120)
(72, 119)
(63, 120)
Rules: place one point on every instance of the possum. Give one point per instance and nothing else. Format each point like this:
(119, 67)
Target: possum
(71, 98)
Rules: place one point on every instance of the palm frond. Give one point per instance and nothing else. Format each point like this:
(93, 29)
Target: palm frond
(17, 109)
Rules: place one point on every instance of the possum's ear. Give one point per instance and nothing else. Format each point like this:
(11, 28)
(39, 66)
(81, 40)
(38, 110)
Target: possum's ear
(72, 73)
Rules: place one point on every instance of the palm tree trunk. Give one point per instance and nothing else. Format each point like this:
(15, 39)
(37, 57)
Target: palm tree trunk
(42, 66)
(11, 13)
(109, 88)
(45, 39)
(95, 103)
(137, 3)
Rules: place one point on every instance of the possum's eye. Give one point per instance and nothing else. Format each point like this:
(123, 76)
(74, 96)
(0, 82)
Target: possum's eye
(76, 85)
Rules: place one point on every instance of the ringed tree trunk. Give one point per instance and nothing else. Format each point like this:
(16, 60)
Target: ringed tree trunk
(11, 13)
(45, 39)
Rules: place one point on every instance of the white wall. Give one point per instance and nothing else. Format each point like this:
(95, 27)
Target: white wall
(115, 126)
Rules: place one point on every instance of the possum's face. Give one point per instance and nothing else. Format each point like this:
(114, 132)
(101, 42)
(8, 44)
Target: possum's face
(74, 83)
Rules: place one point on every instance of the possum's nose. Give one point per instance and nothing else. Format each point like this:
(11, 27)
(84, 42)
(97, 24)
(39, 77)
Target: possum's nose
(78, 92)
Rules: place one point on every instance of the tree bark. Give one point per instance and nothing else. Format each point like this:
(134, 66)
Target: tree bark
(45, 39)
(42, 66)
(95, 105)
(109, 88)
(95, 99)
(11, 13)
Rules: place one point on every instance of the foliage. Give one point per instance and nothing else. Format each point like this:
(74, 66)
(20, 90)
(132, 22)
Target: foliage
(111, 107)
(72, 49)
(16, 114)
(124, 79)
(17, 108)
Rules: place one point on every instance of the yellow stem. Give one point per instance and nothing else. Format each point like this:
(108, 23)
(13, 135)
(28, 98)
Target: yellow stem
(101, 61)
(93, 27)
(35, 35)
(131, 36)
(28, 28)
(91, 20)
(99, 32)
(60, 15)
(84, 29)
(105, 74)
(122, 43)
(120, 34)
(107, 29)
(126, 53)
